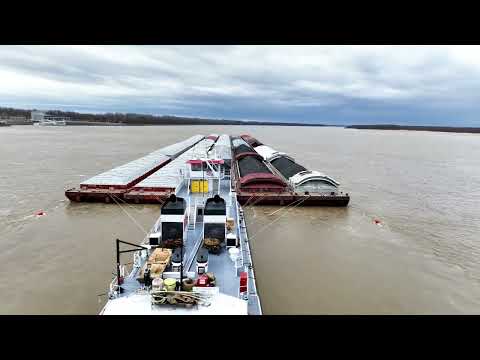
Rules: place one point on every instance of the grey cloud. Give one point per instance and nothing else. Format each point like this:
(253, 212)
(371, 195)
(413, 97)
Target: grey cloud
(270, 82)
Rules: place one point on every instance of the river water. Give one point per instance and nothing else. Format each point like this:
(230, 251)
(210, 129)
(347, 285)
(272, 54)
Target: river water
(423, 186)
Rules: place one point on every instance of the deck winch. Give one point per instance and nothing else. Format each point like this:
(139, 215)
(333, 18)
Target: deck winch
(202, 261)
(177, 259)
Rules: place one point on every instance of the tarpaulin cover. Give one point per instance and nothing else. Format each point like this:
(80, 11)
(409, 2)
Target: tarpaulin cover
(250, 165)
(287, 167)
(251, 140)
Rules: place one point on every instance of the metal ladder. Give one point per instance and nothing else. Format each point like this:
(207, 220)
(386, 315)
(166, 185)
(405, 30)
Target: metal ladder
(192, 219)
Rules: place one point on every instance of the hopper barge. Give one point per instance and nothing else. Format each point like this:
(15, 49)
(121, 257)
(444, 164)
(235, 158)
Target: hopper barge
(260, 175)
(264, 176)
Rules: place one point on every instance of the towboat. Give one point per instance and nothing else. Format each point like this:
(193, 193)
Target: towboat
(196, 259)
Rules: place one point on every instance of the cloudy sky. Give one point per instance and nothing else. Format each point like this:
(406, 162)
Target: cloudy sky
(325, 84)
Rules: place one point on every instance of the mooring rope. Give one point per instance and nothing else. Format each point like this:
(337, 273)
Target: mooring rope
(248, 200)
(130, 206)
(131, 218)
(254, 202)
(153, 226)
(257, 200)
(282, 208)
(274, 221)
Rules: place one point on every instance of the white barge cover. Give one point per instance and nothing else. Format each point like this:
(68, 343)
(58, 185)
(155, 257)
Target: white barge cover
(270, 154)
(125, 175)
(301, 178)
(169, 176)
(176, 149)
(222, 148)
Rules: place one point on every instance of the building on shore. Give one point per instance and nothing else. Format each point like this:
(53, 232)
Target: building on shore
(37, 116)
(41, 118)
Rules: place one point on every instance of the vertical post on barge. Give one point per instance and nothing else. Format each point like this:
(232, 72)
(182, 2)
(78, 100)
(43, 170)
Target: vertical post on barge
(137, 248)
(118, 267)
(181, 266)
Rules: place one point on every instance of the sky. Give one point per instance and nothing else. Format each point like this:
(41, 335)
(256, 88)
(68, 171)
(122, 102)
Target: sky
(417, 85)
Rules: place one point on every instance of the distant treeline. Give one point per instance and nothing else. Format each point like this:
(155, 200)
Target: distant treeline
(144, 119)
(417, 128)
(10, 112)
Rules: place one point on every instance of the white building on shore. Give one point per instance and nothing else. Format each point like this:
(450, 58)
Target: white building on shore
(42, 119)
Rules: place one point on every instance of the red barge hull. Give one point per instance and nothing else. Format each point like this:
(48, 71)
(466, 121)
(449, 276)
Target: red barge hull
(95, 195)
(286, 198)
(118, 195)
(152, 197)
(147, 197)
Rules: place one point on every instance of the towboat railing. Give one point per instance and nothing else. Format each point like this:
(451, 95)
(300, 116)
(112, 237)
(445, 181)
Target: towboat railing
(247, 260)
(113, 289)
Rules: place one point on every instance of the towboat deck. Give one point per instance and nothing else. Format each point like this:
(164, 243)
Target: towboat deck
(201, 184)
(134, 299)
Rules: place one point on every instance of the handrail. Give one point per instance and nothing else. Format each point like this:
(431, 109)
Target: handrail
(246, 253)
(194, 251)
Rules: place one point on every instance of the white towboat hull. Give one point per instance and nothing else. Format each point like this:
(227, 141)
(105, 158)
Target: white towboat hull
(140, 304)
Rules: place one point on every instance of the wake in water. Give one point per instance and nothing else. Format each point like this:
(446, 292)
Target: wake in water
(36, 214)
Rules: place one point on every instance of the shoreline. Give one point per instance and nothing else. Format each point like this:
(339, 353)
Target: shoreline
(448, 129)
(226, 123)
(445, 129)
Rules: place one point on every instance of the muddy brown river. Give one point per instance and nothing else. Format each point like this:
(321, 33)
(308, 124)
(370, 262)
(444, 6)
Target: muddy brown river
(423, 186)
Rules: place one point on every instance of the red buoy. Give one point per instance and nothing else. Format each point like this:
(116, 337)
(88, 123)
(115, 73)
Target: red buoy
(376, 221)
(40, 213)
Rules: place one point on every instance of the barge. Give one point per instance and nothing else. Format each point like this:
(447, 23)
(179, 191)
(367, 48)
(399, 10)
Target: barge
(260, 175)
(112, 185)
(264, 176)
